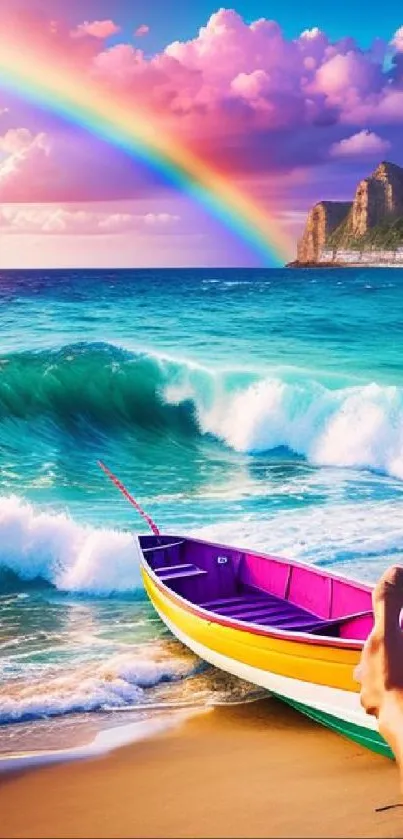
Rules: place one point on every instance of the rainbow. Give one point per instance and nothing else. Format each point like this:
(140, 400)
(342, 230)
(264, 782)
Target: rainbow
(81, 102)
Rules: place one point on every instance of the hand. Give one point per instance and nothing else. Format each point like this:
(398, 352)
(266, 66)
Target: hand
(380, 671)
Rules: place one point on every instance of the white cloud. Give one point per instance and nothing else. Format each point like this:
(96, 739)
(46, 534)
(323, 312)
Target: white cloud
(363, 144)
(397, 40)
(310, 34)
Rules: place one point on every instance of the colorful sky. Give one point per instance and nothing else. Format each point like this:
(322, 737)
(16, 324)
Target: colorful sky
(291, 102)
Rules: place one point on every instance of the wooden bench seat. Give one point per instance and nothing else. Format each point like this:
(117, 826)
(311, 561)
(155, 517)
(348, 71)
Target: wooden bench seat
(176, 572)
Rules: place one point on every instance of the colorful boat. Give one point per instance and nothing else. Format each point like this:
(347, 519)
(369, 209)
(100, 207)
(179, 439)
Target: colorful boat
(293, 629)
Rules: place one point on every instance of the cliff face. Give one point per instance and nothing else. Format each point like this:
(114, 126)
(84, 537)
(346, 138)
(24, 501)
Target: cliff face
(378, 202)
(322, 220)
(377, 198)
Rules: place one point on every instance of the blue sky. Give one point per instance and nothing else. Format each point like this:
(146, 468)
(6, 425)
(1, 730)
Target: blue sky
(179, 19)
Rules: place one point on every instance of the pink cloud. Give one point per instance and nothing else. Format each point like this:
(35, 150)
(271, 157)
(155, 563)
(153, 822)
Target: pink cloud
(101, 29)
(142, 30)
(34, 33)
(382, 108)
(233, 78)
(241, 94)
(117, 65)
(65, 220)
(350, 75)
(236, 78)
(363, 144)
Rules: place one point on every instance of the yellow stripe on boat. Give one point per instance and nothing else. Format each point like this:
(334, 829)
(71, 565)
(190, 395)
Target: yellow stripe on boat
(330, 666)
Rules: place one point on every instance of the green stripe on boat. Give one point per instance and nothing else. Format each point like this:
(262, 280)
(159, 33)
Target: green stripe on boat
(367, 737)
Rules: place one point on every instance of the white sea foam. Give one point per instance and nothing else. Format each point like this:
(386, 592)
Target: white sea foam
(71, 556)
(360, 426)
(328, 418)
(120, 681)
(363, 537)
(83, 559)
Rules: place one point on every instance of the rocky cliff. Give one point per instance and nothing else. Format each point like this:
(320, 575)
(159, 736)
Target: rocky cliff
(322, 220)
(374, 217)
(377, 198)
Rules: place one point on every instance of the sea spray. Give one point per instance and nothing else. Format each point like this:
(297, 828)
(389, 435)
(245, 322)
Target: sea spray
(360, 427)
(70, 556)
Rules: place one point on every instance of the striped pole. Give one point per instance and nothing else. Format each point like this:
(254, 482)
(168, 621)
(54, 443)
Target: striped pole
(129, 497)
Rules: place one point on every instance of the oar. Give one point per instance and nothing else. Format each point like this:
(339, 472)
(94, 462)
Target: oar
(129, 497)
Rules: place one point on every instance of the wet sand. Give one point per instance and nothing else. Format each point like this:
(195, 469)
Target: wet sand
(257, 770)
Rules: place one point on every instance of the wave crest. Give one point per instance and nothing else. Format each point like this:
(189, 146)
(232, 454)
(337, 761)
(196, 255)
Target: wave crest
(359, 426)
(99, 385)
(156, 398)
(72, 557)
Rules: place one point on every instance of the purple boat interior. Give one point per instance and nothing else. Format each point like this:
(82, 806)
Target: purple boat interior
(257, 589)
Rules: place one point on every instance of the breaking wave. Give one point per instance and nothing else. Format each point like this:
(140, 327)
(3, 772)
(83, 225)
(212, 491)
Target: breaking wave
(360, 426)
(81, 559)
(100, 386)
(71, 557)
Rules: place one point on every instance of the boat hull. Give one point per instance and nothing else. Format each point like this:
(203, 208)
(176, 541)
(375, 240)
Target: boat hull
(317, 680)
(368, 737)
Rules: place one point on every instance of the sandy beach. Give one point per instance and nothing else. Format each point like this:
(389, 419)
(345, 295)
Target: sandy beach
(257, 770)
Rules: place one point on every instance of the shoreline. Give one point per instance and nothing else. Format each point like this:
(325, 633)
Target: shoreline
(297, 264)
(115, 735)
(254, 770)
(105, 742)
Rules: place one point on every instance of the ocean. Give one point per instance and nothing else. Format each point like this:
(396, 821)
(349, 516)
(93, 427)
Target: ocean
(262, 408)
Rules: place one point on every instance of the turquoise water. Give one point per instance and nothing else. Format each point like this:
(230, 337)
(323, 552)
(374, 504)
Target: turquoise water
(262, 407)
